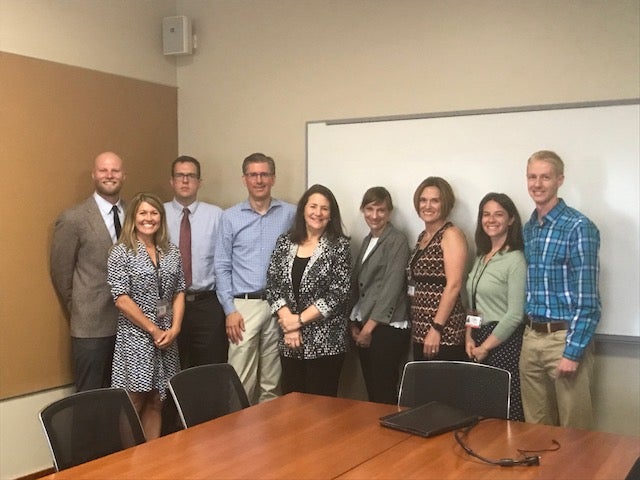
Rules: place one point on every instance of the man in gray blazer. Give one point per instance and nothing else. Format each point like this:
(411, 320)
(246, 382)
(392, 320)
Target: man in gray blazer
(82, 238)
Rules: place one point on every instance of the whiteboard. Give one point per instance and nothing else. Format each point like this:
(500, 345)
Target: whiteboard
(482, 151)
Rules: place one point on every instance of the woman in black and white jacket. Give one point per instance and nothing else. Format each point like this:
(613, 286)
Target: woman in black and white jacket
(308, 284)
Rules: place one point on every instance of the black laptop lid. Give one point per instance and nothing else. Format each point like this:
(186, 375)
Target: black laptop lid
(428, 420)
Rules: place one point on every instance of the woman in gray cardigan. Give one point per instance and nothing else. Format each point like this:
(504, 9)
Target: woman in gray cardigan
(379, 325)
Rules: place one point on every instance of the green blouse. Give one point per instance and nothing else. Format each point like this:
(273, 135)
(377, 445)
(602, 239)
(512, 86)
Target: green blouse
(499, 288)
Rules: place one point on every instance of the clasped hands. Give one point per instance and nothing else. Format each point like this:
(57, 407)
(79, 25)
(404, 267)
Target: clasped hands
(163, 339)
(291, 327)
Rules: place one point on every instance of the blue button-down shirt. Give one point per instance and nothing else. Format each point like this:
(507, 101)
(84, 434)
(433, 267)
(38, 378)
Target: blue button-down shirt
(204, 219)
(244, 245)
(562, 273)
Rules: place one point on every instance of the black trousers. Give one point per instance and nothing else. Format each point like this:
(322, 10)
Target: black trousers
(319, 376)
(92, 359)
(446, 352)
(203, 338)
(381, 362)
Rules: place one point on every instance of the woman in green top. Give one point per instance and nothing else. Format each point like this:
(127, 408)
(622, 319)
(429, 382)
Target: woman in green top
(496, 288)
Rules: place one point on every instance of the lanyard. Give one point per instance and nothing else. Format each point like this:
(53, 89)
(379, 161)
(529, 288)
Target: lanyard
(476, 280)
(158, 279)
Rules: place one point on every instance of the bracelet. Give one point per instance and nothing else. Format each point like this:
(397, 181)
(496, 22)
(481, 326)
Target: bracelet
(437, 327)
(300, 320)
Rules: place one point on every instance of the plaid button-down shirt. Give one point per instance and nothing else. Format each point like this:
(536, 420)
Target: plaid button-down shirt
(562, 273)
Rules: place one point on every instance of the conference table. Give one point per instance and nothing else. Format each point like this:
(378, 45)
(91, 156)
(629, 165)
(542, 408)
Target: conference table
(301, 436)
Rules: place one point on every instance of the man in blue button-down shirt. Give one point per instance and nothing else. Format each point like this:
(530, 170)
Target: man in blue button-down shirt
(246, 238)
(562, 302)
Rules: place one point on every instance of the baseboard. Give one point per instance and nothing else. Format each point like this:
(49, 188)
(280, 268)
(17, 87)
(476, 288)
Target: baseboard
(36, 475)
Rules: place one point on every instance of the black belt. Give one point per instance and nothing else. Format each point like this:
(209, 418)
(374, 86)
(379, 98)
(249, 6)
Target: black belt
(196, 296)
(548, 327)
(252, 295)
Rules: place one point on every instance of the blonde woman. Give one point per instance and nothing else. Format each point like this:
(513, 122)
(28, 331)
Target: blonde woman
(147, 284)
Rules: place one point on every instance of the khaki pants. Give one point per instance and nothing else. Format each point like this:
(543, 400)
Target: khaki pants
(256, 357)
(545, 398)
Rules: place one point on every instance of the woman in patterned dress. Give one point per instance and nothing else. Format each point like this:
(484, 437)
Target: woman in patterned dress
(308, 283)
(435, 275)
(496, 289)
(147, 284)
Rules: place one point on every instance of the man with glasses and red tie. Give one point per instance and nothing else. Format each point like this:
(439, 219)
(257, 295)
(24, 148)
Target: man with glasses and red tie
(192, 225)
(245, 241)
(82, 238)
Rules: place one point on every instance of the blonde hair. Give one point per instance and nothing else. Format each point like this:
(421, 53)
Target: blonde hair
(551, 157)
(128, 235)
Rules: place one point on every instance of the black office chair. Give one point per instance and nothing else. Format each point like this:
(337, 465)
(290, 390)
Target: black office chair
(473, 387)
(206, 392)
(91, 424)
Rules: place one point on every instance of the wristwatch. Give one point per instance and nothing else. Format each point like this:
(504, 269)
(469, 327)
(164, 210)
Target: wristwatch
(300, 320)
(437, 327)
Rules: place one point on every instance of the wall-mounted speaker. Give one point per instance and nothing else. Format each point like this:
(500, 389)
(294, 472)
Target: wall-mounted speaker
(177, 38)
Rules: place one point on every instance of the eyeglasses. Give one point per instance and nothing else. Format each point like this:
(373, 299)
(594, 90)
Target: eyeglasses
(260, 175)
(185, 176)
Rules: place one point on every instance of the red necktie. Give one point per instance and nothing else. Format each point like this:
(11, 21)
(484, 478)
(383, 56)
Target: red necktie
(185, 246)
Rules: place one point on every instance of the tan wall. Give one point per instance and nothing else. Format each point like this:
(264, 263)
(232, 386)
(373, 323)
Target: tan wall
(114, 36)
(264, 68)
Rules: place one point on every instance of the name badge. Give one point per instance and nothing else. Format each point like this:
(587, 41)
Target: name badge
(161, 308)
(473, 321)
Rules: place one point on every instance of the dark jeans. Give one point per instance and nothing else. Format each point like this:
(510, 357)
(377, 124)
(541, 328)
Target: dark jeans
(319, 376)
(381, 362)
(92, 358)
(203, 338)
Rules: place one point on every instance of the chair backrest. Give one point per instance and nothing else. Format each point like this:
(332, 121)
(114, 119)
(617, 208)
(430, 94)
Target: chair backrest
(473, 387)
(89, 425)
(206, 392)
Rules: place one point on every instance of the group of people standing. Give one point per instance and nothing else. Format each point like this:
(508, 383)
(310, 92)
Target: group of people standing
(272, 289)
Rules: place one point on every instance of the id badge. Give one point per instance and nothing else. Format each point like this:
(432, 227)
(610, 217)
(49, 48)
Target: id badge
(411, 288)
(161, 308)
(473, 321)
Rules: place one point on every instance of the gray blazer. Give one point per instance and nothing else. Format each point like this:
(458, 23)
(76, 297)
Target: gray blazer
(380, 282)
(79, 252)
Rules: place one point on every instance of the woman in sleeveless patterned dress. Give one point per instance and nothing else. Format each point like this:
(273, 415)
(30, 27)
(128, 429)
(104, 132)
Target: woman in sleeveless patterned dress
(435, 277)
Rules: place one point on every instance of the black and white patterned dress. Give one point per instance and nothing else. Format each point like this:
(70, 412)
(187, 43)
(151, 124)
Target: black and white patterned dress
(138, 365)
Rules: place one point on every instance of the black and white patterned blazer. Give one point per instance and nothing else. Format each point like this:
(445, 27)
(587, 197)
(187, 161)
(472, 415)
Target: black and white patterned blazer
(326, 283)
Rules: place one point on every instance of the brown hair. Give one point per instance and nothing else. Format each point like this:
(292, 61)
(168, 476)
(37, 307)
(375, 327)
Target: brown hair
(377, 195)
(514, 240)
(447, 198)
(298, 232)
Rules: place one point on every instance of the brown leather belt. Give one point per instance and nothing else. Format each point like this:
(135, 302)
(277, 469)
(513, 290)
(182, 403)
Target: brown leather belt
(548, 327)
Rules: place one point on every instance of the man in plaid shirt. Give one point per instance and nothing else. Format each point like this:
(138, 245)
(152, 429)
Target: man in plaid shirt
(562, 303)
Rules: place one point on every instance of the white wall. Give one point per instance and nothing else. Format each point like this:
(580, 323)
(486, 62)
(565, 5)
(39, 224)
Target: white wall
(265, 67)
